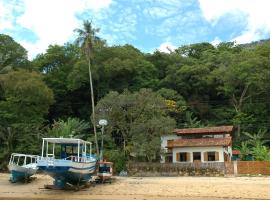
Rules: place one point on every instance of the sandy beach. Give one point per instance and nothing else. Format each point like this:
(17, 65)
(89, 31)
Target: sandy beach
(160, 188)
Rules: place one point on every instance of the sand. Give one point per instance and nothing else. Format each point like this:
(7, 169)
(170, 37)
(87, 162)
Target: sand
(160, 188)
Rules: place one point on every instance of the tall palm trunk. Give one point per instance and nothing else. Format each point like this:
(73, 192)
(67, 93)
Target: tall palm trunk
(93, 103)
(238, 106)
(86, 40)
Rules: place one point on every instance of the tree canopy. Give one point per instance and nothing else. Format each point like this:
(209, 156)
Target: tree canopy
(143, 95)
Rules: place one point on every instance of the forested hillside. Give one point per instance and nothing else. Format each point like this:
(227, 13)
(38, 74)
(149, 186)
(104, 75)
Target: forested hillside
(143, 95)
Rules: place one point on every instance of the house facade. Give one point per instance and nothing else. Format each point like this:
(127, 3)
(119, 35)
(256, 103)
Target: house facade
(211, 144)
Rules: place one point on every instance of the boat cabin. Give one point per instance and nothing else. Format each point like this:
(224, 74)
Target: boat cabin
(105, 167)
(22, 159)
(22, 166)
(73, 149)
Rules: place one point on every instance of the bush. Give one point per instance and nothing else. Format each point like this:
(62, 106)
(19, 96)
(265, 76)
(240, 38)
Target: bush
(118, 159)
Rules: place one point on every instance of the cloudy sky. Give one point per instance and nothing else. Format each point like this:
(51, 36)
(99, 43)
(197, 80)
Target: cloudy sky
(146, 24)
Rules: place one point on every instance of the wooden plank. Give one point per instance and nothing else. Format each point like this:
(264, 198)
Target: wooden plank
(205, 156)
(178, 157)
(216, 156)
(188, 156)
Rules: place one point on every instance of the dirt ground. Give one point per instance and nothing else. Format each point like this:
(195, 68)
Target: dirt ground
(160, 188)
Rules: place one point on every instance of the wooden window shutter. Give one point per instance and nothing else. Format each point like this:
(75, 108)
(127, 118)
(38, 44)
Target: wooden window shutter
(188, 156)
(205, 156)
(177, 156)
(216, 156)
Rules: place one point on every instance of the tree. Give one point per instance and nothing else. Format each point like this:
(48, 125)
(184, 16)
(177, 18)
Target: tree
(255, 146)
(26, 97)
(87, 39)
(245, 150)
(56, 64)
(261, 153)
(7, 140)
(12, 54)
(70, 127)
(136, 121)
(243, 79)
(130, 73)
(191, 121)
(257, 138)
(23, 107)
(195, 50)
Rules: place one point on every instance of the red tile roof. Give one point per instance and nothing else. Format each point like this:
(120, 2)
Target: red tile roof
(236, 152)
(201, 142)
(206, 130)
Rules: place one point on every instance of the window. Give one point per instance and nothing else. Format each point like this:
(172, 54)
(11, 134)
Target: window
(197, 156)
(183, 157)
(211, 156)
(28, 160)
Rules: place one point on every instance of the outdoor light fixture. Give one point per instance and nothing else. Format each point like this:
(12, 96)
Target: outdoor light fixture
(103, 122)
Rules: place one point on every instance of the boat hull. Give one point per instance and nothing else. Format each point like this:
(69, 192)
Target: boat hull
(68, 172)
(20, 172)
(104, 176)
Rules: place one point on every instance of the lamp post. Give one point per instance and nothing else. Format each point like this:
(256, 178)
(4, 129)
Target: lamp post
(102, 123)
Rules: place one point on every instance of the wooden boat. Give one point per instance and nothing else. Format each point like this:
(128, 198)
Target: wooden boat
(104, 171)
(67, 160)
(22, 166)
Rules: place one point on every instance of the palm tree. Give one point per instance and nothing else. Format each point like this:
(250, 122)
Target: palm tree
(191, 121)
(257, 138)
(68, 127)
(86, 40)
(245, 150)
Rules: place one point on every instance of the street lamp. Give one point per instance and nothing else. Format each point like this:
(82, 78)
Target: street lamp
(102, 123)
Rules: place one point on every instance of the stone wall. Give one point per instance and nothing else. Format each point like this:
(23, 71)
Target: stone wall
(230, 168)
(199, 169)
(176, 169)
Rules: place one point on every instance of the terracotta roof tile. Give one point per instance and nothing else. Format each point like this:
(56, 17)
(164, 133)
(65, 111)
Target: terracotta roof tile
(206, 130)
(236, 152)
(201, 142)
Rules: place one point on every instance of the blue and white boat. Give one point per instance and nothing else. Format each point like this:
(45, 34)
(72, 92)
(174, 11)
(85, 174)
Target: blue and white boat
(67, 160)
(22, 166)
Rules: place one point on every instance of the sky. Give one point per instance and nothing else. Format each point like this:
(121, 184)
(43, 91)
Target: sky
(146, 24)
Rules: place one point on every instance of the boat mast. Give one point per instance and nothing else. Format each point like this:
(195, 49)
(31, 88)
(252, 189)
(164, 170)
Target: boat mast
(78, 150)
(42, 148)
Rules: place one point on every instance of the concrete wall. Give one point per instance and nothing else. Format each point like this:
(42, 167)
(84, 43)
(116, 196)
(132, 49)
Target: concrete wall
(199, 149)
(168, 137)
(164, 144)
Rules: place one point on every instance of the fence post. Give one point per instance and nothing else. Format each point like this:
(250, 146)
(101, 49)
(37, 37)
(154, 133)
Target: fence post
(235, 172)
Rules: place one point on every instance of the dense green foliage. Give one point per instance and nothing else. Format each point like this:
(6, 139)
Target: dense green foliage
(142, 95)
(136, 122)
(255, 147)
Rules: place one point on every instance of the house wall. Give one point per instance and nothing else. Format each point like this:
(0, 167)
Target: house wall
(168, 137)
(164, 140)
(199, 149)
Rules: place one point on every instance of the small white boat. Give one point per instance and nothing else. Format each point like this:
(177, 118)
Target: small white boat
(67, 160)
(22, 166)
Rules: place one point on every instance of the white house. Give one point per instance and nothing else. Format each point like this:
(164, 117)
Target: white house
(211, 144)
